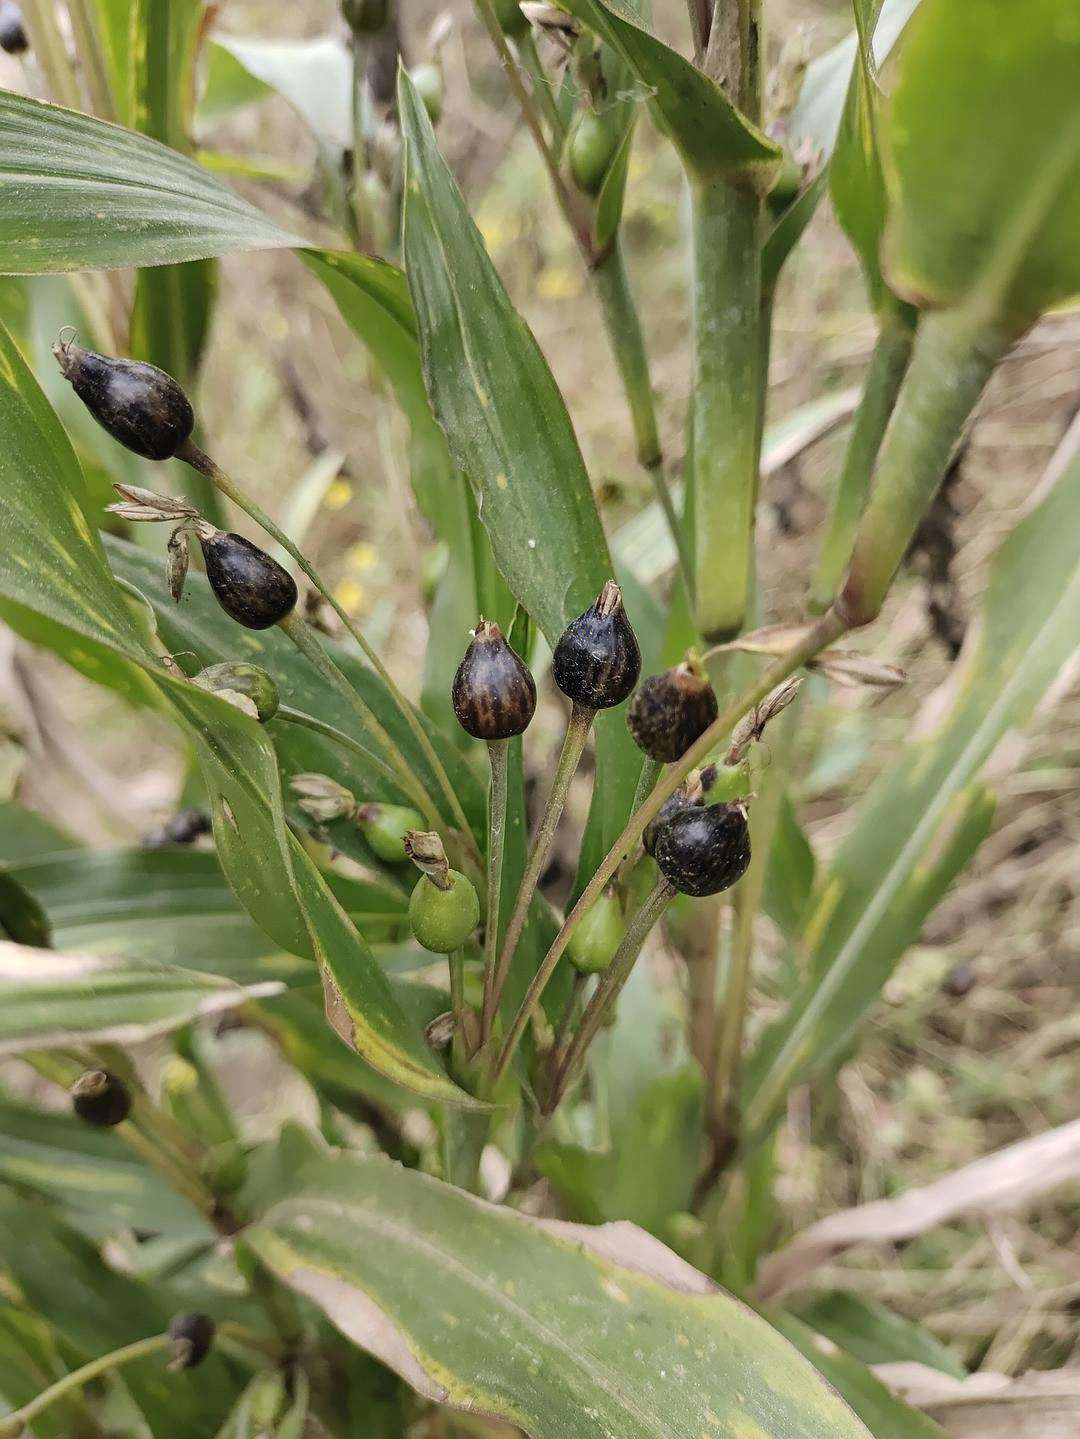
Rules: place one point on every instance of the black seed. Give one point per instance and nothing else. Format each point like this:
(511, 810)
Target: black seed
(101, 1098)
(597, 661)
(703, 850)
(12, 35)
(690, 794)
(494, 694)
(191, 1335)
(249, 586)
(140, 405)
(670, 711)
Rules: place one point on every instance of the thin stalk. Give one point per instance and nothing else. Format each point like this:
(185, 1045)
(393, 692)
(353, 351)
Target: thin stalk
(610, 986)
(300, 634)
(206, 466)
(702, 967)
(577, 733)
(288, 715)
(456, 965)
(575, 207)
(627, 342)
(14, 1423)
(530, 59)
(954, 355)
(51, 54)
(727, 365)
(87, 43)
(496, 836)
(827, 628)
(888, 366)
(181, 1178)
(650, 773)
(723, 1103)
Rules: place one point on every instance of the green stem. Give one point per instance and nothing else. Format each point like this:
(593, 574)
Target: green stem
(14, 1423)
(496, 836)
(827, 628)
(302, 637)
(530, 59)
(577, 733)
(288, 715)
(206, 466)
(92, 56)
(627, 342)
(51, 54)
(650, 773)
(725, 408)
(888, 366)
(954, 356)
(610, 986)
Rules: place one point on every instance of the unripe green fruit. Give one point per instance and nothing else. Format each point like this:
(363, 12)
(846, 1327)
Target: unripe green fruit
(592, 149)
(443, 919)
(245, 679)
(592, 945)
(385, 826)
(428, 80)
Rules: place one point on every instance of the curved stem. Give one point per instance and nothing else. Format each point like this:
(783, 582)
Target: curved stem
(305, 721)
(823, 632)
(496, 837)
(302, 637)
(206, 466)
(888, 366)
(13, 1423)
(577, 733)
(623, 327)
(530, 59)
(610, 987)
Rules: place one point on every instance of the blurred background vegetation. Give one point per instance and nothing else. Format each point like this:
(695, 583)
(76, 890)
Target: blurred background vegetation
(976, 1042)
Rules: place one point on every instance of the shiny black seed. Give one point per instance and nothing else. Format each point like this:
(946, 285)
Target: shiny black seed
(703, 850)
(191, 1335)
(494, 695)
(670, 711)
(597, 661)
(249, 586)
(12, 34)
(140, 405)
(101, 1098)
(685, 797)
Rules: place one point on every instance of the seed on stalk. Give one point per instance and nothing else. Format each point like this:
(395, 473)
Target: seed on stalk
(493, 693)
(598, 935)
(597, 661)
(192, 1336)
(443, 909)
(703, 850)
(244, 681)
(592, 150)
(250, 587)
(691, 793)
(671, 710)
(101, 1098)
(140, 405)
(384, 827)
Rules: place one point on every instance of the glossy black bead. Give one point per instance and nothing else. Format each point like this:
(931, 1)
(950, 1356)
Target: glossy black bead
(672, 806)
(670, 711)
(12, 34)
(249, 586)
(192, 1336)
(493, 693)
(101, 1098)
(140, 405)
(704, 849)
(597, 661)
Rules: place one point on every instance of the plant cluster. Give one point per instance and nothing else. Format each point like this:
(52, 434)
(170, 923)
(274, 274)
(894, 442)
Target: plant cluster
(344, 1275)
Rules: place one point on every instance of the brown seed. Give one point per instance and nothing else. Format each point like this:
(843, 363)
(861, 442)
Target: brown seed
(494, 695)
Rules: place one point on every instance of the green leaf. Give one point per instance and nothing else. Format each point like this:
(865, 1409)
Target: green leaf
(495, 397)
(982, 147)
(102, 1185)
(435, 1283)
(641, 1160)
(56, 588)
(925, 816)
(53, 1001)
(174, 907)
(21, 916)
(790, 875)
(25, 836)
(885, 1416)
(712, 137)
(151, 206)
(875, 1335)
